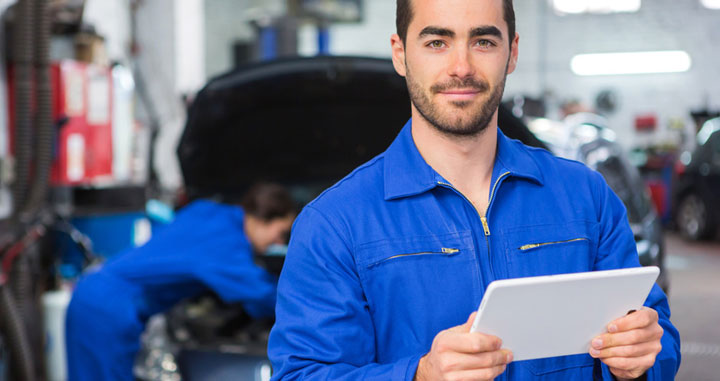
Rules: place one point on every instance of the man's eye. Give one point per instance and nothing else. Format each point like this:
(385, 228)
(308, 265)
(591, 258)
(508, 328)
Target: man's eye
(485, 43)
(437, 44)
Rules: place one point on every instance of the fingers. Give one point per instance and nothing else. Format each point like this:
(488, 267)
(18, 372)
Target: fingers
(460, 339)
(477, 374)
(637, 350)
(636, 336)
(633, 365)
(471, 343)
(643, 318)
(462, 362)
(465, 327)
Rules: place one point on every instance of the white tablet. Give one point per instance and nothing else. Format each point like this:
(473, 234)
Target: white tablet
(559, 315)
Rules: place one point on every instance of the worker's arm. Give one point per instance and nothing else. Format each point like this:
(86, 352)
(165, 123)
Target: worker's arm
(323, 329)
(617, 250)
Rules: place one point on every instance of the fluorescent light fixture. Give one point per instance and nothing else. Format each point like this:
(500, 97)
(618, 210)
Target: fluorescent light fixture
(596, 6)
(712, 4)
(673, 61)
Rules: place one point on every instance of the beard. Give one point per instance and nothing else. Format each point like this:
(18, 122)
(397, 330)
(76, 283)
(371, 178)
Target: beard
(464, 119)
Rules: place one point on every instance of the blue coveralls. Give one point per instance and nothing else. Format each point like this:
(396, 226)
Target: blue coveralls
(204, 248)
(392, 254)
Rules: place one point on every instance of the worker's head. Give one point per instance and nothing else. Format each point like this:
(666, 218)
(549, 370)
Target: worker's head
(455, 56)
(269, 214)
(404, 14)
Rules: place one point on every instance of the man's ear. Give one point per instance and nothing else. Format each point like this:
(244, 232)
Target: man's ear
(512, 62)
(398, 54)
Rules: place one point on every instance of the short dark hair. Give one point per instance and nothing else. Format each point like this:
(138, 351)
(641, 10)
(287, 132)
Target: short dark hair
(404, 15)
(268, 201)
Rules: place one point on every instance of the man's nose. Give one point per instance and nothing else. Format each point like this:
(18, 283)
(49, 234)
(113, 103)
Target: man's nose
(461, 65)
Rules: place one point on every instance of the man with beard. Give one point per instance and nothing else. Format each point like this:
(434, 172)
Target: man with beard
(384, 267)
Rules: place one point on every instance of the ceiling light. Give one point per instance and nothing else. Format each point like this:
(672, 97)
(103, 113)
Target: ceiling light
(631, 63)
(597, 6)
(712, 4)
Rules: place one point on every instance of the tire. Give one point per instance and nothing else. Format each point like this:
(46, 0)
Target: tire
(693, 217)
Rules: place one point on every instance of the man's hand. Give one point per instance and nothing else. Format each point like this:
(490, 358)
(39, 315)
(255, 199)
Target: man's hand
(631, 344)
(458, 354)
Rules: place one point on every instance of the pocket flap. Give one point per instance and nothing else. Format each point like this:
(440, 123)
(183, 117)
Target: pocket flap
(379, 252)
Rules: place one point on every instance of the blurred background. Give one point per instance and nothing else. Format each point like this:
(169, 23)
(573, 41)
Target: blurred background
(115, 113)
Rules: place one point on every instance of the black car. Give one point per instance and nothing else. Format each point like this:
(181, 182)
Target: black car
(585, 137)
(696, 193)
(303, 122)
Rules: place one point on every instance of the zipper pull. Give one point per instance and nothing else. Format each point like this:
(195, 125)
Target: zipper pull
(486, 228)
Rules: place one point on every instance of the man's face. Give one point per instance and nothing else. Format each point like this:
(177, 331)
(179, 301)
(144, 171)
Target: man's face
(455, 61)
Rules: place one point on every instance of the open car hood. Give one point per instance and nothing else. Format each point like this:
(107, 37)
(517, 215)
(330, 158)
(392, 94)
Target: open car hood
(301, 121)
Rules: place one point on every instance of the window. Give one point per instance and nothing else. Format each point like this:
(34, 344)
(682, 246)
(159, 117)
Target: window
(597, 6)
(712, 4)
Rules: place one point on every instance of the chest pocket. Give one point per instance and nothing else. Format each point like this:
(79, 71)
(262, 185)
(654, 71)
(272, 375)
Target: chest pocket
(416, 286)
(551, 249)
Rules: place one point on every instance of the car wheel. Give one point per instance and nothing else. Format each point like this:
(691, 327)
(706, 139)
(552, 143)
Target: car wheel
(692, 217)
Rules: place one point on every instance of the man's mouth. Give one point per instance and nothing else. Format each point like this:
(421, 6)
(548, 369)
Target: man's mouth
(460, 94)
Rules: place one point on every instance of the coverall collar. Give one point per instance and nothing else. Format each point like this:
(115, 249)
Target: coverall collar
(406, 173)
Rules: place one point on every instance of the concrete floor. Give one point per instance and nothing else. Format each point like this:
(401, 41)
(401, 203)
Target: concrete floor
(695, 304)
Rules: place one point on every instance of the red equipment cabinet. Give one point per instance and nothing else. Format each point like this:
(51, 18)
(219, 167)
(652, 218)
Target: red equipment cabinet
(99, 162)
(82, 114)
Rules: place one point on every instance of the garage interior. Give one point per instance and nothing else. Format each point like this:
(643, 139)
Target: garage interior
(115, 114)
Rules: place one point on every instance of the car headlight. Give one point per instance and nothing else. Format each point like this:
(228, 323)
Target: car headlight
(643, 247)
(654, 251)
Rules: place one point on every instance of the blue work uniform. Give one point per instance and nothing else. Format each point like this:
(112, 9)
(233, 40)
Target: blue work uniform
(393, 254)
(204, 248)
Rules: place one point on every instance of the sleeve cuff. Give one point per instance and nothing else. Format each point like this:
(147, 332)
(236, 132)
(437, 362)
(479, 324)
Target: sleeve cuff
(406, 368)
(607, 375)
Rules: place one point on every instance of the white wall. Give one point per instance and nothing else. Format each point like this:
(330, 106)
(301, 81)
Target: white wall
(111, 19)
(371, 37)
(548, 42)
(189, 45)
(228, 21)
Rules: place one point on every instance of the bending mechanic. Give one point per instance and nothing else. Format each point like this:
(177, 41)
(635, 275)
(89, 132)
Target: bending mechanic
(209, 246)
